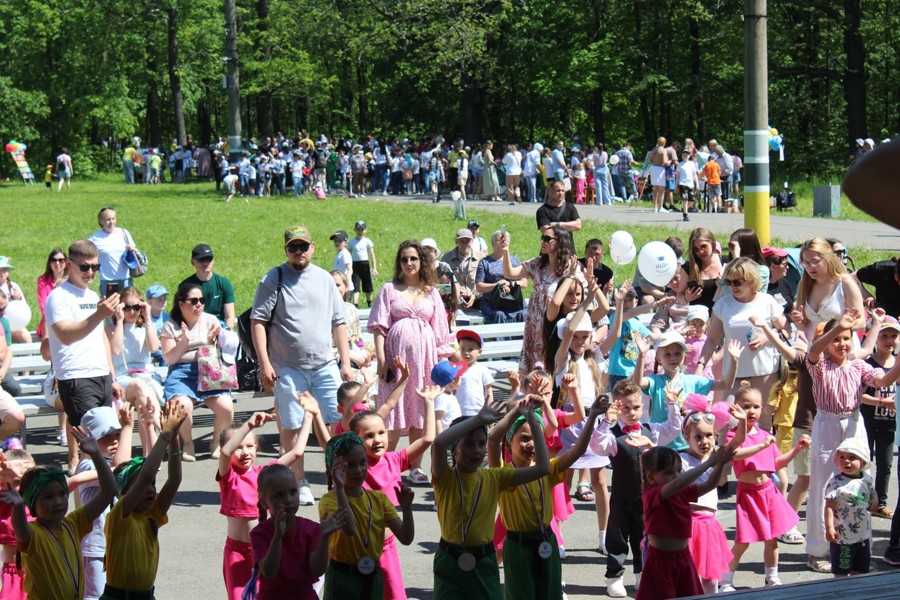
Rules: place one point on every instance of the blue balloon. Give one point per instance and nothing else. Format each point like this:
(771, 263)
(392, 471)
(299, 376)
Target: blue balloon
(775, 144)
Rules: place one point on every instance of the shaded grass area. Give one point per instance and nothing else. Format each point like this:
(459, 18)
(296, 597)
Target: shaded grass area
(166, 222)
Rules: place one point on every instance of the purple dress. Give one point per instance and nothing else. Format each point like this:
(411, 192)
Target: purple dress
(419, 336)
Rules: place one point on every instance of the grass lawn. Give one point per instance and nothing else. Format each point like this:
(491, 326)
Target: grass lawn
(168, 220)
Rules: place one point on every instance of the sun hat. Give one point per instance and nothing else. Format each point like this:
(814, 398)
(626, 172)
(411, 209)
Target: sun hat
(5, 264)
(101, 421)
(583, 326)
(852, 446)
(669, 338)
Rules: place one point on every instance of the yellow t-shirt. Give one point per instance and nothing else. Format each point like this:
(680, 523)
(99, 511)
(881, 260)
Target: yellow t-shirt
(349, 549)
(132, 547)
(452, 515)
(521, 514)
(48, 576)
(784, 399)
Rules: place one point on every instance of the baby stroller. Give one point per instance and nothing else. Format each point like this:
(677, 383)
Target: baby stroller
(785, 199)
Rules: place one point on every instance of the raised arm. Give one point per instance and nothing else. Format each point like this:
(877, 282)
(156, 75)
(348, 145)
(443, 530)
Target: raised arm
(318, 558)
(734, 349)
(541, 454)
(615, 330)
(310, 413)
(488, 414)
(818, 347)
(338, 477)
(643, 346)
(391, 401)
(94, 507)
(868, 345)
(714, 332)
(418, 447)
(717, 459)
(598, 409)
(497, 434)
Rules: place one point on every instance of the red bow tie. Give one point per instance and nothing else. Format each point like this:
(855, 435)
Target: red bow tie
(636, 427)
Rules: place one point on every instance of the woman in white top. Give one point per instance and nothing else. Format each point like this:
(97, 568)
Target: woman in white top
(64, 170)
(112, 242)
(513, 162)
(132, 339)
(13, 293)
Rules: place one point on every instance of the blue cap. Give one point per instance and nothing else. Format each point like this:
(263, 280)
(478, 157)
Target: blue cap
(155, 291)
(445, 371)
(130, 259)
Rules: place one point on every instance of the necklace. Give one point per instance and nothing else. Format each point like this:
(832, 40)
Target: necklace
(466, 560)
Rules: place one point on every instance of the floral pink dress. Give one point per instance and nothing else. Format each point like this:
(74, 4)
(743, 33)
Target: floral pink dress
(417, 334)
(533, 341)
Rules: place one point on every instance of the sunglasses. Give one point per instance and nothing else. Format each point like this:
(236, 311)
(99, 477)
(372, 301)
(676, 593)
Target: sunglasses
(696, 417)
(734, 282)
(85, 267)
(547, 239)
(131, 307)
(58, 260)
(195, 301)
(409, 259)
(298, 248)
(842, 252)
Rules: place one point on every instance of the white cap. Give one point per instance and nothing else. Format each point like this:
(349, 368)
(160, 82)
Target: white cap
(855, 447)
(228, 342)
(101, 421)
(583, 326)
(697, 311)
(669, 338)
(430, 243)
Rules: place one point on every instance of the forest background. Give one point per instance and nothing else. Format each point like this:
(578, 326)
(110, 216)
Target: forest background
(79, 73)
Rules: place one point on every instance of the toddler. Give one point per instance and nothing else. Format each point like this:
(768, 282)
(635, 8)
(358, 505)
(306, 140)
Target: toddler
(849, 497)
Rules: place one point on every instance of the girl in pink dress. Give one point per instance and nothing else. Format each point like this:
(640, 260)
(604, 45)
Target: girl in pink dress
(409, 322)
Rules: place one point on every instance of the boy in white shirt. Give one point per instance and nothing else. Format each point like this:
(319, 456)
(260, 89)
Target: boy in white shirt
(343, 261)
(446, 375)
(475, 383)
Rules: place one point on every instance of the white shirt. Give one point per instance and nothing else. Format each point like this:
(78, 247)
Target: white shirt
(343, 263)
(471, 389)
(447, 403)
(513, 162)
(111, 247)
(708, 500)
(359, 248)
(532, 159)
(735, 317)
(86, 357)
(687, 174)
(135, 354)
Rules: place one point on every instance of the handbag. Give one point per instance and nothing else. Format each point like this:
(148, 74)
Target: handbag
(511, 301)
(213, 372)
(135, 257)
(567, 184)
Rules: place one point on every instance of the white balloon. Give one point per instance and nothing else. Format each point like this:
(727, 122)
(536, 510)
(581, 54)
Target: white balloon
(620, 243)
(626, 258)
(657, 263)
(18, 313)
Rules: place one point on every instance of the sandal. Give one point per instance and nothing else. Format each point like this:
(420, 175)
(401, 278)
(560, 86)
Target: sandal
(791, 537)
(584, 492)
(883, 512)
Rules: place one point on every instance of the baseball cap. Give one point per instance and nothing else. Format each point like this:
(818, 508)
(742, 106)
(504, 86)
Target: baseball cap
(5, 264)
(473, 223)
(228, 342)
(890, 323)
(339, 235)
(155, 291)
(102, 421)
(445, 371)
(669, 338)
(360, 225)
(468, 334)
(464, 233)
(769, 252)
(297, 232)
(697, 311)
(583, 326)
(201, 251)
(850, 445)
(430, 243)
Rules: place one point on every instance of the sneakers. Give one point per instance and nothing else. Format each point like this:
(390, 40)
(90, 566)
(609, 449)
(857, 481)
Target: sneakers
(791, 537)
(188, 453)
(615, 588)
(724, 588)
(417, 476)
(562, 553)
(306, 495)
(685, 218)
(819, 565)
(892, 556)
(601, 550)
(771, 581)
(216, 453)
(663, 209)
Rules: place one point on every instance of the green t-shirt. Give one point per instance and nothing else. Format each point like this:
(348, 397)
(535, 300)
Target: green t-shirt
(218, 292)
(6, 330)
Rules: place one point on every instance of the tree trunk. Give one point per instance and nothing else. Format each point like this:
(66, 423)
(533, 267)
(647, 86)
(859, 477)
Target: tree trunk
(264, 124)
(154, 109)
(855, 75)
(203, 118)
(175, 78)
(362, 100)
(471, 109)
(697, 80)
(596, 107)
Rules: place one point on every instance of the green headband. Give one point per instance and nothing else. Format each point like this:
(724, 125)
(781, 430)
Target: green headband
(517, 424)
(124, 477)
(340, 445)
(31, 493)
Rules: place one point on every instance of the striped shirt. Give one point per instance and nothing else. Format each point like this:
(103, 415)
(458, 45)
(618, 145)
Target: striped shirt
(836, 389)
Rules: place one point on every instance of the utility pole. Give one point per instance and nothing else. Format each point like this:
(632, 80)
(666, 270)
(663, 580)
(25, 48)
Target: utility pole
(756, 121)
(232, 82)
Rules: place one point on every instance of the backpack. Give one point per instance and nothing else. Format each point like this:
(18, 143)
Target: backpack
(321, 158)
(247, 361)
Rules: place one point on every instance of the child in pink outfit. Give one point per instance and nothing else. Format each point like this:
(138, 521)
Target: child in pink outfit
(13, 464)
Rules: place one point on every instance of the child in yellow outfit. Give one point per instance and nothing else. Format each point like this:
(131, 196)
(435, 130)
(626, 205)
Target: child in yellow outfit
(782, 405)
(132, 547)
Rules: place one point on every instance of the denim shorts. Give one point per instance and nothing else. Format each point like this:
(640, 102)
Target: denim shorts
(322, 383)
(182, 381)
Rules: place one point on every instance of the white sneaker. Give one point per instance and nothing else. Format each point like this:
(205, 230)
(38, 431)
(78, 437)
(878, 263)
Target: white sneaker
(724, 588)
(772, 581)
(615, 588)
(306, 495)
(656, 210)
(637, 580)
(663, 210)
(562, 553)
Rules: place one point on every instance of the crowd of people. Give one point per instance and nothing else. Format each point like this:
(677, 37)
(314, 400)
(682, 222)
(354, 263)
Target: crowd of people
(752, 359)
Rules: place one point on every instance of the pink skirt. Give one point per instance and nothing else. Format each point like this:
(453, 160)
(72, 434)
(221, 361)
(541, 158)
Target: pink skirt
(762, 513)
(709, 546)
(562, 503)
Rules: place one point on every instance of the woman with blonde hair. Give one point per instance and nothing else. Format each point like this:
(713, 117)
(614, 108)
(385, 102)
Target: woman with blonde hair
(513, 161)
(490, 183)
(825, 290)
(704, 265)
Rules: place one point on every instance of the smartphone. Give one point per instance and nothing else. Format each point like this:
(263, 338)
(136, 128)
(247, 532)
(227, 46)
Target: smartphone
(693, 285)
(444, 288)
(750, 335)
(111, 288)
(389, 377)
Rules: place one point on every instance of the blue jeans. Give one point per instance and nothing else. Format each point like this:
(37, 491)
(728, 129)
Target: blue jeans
(602, 185)
(298, 185)
(128, 170)
(531, 183)
(381, 178)
(621, 183)
(322, 383)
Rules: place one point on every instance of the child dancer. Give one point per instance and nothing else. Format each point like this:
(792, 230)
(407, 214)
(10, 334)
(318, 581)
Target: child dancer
(353, 397)
(836, 380)
(237, 476)
(670, 351)
(132, 555)
(526, 511)
(384, 473)
(14, 464)
(290, 552)
(623, 438)
(708, 544)
(762, 512)
(466, 496)
(354, 551)
(666, 498)
(849, 497)
(51, 548)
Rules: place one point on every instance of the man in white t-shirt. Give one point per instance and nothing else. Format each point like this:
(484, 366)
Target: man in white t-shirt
(79, 348)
